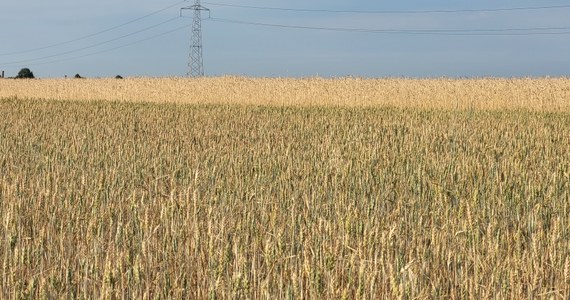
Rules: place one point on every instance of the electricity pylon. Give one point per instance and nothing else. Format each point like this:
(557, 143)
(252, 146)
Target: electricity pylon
(195, 61)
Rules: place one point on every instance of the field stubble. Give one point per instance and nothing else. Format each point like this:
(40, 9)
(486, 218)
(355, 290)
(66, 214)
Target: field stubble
(125, 200)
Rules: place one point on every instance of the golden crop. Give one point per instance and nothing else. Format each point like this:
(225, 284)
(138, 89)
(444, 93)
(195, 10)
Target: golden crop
(546, 94)
(282, 188)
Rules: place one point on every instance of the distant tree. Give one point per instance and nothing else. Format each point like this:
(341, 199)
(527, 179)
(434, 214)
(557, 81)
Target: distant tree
(25, 73)
(78, 76)
(118, 77)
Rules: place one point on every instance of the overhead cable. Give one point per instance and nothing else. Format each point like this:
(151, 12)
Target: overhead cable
(92, 34)
(114, 48)
(463, 32)
(90, 46)
(390, 11)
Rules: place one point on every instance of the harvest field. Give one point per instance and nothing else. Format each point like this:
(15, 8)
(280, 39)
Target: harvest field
(237, 188)
(549, 94)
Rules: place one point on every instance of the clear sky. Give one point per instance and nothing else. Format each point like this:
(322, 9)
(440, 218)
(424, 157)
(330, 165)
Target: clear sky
(254, 50)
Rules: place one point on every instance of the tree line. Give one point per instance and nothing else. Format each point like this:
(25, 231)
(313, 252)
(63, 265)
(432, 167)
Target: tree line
(26, 73)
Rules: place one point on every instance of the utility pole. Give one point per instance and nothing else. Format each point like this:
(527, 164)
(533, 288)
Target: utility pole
(195, 61)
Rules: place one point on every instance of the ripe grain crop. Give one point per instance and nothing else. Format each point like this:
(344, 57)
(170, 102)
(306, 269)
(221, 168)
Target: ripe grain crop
(332, 200)
(542, 94)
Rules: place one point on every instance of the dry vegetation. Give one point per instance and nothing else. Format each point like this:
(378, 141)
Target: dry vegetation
(551, 94)
(398, 199)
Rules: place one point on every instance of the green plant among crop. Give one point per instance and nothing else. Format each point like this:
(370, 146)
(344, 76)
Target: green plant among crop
(122, 200)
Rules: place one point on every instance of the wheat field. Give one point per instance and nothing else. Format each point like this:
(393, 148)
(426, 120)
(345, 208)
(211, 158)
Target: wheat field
(542, 94)
(240, 188)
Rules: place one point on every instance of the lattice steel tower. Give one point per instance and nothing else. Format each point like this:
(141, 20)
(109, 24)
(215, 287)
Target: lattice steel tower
(195, 61)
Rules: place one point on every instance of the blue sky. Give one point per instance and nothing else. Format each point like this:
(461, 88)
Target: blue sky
(234, 49)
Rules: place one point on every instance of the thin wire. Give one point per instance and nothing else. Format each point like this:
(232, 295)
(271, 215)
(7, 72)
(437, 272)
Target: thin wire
(92, 34)
(390, 11)
(459, 32)
(112, 49)
(90, 46)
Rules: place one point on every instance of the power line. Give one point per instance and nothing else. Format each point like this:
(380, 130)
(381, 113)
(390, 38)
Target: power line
(390, 11)
(90, 46)
(460, 32)
(92, 34)
(114, 48)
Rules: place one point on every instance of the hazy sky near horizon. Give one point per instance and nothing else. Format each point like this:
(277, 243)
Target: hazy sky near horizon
(253, 50)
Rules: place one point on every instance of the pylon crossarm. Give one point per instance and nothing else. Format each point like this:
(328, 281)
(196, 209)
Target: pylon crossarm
(196, 7)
